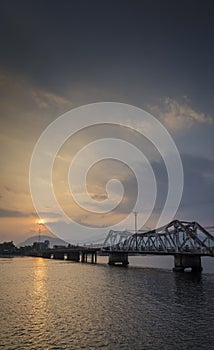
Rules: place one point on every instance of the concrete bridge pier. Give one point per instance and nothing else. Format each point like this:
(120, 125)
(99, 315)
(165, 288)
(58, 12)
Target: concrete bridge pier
(89, 254)
(94, 258)
(73, 256)
(183, 261)
(118, 258)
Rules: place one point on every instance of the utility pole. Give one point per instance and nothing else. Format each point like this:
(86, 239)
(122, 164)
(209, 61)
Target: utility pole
(135, 225)
(39, 246)
(135, 221)
(40, 224)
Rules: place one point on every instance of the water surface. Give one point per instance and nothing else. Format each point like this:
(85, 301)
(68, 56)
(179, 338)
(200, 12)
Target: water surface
(50, 304)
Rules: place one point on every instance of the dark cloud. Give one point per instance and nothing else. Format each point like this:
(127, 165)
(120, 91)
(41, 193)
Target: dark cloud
(198, 180)
(110, 44)
(198, 194)
(5, 213)
(129, 51)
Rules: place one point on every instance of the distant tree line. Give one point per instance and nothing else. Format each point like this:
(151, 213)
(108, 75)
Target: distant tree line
(9, 248)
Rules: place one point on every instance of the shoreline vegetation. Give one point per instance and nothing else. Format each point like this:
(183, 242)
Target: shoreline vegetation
(10, 250)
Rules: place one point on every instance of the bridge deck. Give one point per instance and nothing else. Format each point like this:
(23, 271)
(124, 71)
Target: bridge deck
(156, 252)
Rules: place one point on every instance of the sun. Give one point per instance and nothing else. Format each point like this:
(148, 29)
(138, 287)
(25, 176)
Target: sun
(41, 222)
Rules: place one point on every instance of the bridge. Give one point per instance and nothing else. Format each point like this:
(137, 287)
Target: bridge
(186, 241)
(75, 253)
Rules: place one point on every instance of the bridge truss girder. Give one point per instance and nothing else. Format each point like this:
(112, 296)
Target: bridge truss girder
(177, 237)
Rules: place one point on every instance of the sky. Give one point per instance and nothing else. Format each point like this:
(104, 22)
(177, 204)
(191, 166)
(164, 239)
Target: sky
(59, 55)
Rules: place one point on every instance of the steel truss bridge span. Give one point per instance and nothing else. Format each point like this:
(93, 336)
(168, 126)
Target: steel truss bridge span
(177, 237)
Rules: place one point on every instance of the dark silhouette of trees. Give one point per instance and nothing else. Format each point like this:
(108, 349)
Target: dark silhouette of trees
(8, 248)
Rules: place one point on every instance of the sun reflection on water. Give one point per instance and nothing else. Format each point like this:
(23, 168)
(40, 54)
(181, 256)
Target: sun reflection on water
(39, 297)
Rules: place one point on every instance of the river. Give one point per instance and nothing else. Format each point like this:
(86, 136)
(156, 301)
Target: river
(56, 305)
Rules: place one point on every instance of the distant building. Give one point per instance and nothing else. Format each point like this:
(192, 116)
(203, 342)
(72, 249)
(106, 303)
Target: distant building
(41, 245)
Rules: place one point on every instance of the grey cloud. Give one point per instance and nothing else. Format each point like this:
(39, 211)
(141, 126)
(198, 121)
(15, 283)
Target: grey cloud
(198, 180)
(49, 214)
(179, 115)
(99, 197)
(6, 213)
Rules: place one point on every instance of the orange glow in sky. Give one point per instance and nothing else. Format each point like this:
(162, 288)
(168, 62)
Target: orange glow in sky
(41, 222)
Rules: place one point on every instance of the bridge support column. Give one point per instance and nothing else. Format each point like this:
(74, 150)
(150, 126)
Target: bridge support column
(84, 257)
(184, 261)
(91, 255)
(118, 258)
(73, 256)
(58, 256)
(94, 257)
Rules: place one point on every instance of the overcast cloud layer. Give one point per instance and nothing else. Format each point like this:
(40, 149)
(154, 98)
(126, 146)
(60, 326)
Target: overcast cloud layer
(59, 55)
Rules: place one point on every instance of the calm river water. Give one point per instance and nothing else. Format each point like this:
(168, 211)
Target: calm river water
(50, 304)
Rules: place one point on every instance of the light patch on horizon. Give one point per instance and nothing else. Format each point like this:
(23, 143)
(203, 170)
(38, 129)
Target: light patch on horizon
(177, 116)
